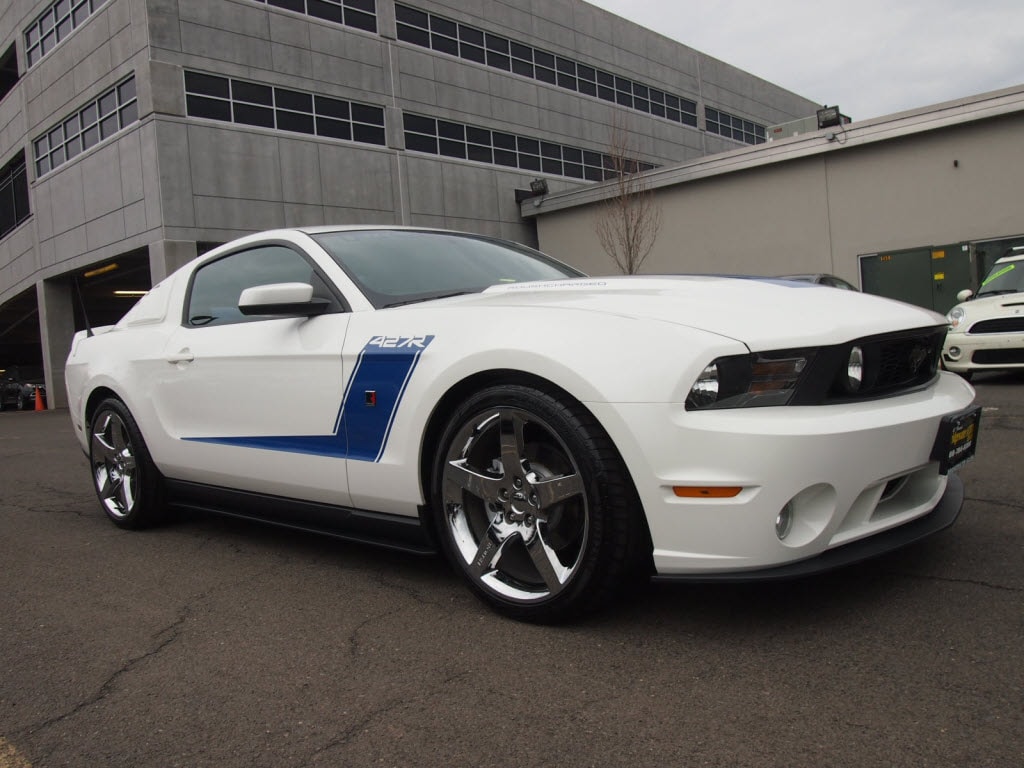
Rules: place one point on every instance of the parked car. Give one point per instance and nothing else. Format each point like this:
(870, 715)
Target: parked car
(554, 435)
(986, 331)
(18, 388)
(822, 278)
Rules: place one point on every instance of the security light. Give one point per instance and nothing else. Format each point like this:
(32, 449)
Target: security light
(829, 116)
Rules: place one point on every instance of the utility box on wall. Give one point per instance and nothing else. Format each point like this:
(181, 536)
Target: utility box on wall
(928, 277)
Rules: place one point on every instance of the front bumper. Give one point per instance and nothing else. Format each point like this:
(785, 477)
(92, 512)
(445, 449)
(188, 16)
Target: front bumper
(939, 519)
(967, 352)
(845, 474)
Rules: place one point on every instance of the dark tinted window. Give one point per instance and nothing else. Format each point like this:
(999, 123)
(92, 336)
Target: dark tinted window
(396, 267)
(216, 286)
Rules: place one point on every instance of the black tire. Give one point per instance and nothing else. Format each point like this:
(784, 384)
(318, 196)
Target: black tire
(23, 404)
(967, 375)
(559, 535)
(127, 483)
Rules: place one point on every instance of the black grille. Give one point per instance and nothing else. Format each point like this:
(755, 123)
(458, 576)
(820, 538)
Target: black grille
(892, 363)
(900, 362)
(999, 325)
(998, 357)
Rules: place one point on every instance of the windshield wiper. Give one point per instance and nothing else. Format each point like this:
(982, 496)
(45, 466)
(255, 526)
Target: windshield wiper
(425, 298)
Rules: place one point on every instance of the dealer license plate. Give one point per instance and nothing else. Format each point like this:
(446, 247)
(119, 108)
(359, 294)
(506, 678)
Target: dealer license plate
(957, 439)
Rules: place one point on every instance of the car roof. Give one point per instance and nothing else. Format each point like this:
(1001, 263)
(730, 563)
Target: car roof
(1008, 259)
(322, 229)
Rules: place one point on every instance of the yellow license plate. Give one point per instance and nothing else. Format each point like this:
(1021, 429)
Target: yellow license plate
(957, 439)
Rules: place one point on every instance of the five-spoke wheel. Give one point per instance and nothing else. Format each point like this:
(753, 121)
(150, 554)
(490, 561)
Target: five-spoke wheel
(535, 506)
(126, 481)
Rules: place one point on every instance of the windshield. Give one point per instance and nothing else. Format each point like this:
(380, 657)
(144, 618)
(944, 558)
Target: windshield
(394, 267)
(1007, 277)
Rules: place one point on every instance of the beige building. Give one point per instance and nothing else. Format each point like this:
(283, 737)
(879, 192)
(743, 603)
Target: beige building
(912, 205)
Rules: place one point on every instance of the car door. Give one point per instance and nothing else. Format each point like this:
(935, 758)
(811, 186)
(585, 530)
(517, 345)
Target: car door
(253, 402)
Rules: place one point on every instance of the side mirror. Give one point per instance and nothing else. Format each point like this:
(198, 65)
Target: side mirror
(964, 295)
(281, 299)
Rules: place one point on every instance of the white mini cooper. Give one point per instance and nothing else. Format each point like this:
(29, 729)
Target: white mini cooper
(986, 331)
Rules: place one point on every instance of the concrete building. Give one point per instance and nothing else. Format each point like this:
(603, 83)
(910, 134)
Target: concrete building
(914, 206)
(138, 133)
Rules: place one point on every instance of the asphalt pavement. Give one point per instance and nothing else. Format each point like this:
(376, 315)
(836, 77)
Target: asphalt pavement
(212, 642)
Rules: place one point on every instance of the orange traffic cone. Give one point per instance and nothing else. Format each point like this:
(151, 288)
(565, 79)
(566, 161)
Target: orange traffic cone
(39, 400)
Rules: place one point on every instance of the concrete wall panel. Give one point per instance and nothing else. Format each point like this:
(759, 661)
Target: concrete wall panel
(300, 172)
(105, 230)
(232, 163)
(102, 168)
(354, 178)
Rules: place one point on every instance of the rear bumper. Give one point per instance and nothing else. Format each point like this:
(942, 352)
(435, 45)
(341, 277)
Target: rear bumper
(939, 519)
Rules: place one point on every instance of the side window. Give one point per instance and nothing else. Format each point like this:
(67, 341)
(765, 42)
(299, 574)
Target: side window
(216, 286)
(837, 282)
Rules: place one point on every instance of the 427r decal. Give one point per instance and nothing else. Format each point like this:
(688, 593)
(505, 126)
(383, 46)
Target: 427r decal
(399, 342)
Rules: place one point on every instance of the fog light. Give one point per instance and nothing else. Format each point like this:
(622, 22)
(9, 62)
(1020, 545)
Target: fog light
(784, 522)
(954, 353)
(855, 369)
(704, 391)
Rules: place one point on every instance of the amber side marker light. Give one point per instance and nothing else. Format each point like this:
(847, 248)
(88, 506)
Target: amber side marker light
(706, 492)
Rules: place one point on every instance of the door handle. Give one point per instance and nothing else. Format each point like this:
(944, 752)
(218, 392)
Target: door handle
(184, 356)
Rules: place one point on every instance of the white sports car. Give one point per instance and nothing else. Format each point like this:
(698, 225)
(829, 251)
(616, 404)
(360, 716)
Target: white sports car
(555, 435)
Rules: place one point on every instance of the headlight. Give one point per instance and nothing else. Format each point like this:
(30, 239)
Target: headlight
(742, 381)
(956, 317)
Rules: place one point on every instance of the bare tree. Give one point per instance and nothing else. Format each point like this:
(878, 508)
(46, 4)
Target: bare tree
(629, 220)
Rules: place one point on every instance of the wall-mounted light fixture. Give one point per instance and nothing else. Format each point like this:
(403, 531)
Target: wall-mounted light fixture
(829, 116)
(538, 188)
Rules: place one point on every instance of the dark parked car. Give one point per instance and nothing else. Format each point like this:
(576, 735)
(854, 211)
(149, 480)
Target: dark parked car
(18, 388)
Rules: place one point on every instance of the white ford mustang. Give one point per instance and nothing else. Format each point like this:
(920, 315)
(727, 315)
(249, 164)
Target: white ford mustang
(555, 435)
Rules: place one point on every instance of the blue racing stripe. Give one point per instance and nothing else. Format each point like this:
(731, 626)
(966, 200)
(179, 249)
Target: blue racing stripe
(384, 371)
(361, 430)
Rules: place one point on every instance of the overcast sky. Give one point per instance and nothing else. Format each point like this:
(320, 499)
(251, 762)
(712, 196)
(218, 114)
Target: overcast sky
(871, 57)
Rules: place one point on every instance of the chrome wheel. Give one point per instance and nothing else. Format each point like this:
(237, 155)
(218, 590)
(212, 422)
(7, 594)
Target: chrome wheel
(114, 469)
(515, 505)
(128, 484)
(534, 506)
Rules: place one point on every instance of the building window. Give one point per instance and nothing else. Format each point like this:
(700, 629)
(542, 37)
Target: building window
(361, 14)
(468, 142)
(733, 127)
(58, 21)
(114, 110)
(8, 70)
(440, 34)
(13, 194)
(265, 106)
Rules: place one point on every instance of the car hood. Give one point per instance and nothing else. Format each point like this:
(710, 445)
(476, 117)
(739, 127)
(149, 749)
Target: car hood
(1000, 305)
(760, 312)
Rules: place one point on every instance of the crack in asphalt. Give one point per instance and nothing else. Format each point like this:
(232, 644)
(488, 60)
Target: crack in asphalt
(996, 502)
(349, 735)
(380, 577)
(110, 684)
(972, 582)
